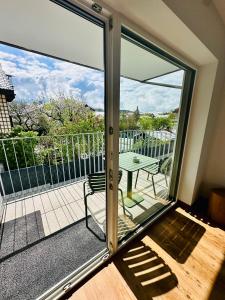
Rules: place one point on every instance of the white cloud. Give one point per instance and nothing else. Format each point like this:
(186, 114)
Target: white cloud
(5, 55)
(36, 76)
(148, 98)
(34, 79)
(94, 98)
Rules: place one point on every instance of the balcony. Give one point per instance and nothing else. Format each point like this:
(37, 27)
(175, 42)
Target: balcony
(42, 190)
(50, 181)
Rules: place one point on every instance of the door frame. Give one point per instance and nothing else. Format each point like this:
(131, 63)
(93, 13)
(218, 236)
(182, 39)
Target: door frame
(111, 81)
(185, 101)
(111, 95)
(185, 104)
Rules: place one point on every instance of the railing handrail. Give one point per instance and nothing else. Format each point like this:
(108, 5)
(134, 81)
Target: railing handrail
(47, 161)
(165, 132)
(51, 136)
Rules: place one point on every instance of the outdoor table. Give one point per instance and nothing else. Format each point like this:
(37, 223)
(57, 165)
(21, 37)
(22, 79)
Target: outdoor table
(126, 163)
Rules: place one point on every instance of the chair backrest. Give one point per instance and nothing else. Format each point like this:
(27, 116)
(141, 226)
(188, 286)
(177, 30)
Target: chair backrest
(97, 181)
(165, 166)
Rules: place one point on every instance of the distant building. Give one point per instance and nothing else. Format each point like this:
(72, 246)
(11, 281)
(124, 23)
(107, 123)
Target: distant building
(6, 95)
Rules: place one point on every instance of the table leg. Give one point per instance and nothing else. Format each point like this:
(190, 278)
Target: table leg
(129, 184)
(132, 198)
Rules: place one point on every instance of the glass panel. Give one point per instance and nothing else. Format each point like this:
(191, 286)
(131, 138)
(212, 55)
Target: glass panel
(52, 144)
(149, 116)
(174, 78)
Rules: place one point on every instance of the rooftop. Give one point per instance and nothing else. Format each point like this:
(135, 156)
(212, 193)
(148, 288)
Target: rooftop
(6, 85)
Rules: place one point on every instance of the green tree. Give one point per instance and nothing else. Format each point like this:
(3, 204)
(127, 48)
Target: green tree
(162, 123)
(18, 150)
(128, 122)
(28, 116)
(63, 110)
(47, 131)
(60, 115)
(146, 123)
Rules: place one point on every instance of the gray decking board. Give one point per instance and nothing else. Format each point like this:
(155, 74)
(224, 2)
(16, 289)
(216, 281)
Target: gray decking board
(64, 205)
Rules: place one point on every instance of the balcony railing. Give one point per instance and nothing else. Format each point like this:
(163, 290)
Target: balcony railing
(31, 165)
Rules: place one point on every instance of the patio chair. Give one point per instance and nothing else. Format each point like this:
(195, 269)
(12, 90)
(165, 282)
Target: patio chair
(162, 166)
(96, 183)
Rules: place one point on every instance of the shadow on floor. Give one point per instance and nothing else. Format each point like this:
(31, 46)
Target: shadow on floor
(21, 232)
(162, 194)
(127, 224)
(177, 235)
(199, 210)
(145, 272)
(148, 212)
(218, 289)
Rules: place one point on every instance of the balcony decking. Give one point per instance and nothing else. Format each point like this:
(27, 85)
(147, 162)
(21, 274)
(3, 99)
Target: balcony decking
(32, 218)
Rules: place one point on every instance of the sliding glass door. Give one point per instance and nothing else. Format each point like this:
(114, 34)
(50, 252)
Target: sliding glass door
(53, 157)
(151, 119)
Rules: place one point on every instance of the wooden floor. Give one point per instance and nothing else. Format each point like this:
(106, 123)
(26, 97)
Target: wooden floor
(50, 211)
(181, 257)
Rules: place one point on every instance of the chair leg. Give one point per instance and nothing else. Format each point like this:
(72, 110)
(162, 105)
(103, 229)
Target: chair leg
(148, 176)
(136, 179)
(122, 199)
(153, 184)
(86, 211)
(166, 180)
(86, 219)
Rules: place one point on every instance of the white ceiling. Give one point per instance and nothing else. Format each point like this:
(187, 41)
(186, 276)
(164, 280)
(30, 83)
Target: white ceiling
(46, 27)
(139, 64)
(53, 30)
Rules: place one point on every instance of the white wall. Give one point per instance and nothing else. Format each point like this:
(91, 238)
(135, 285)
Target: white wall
(205, 22)
(190, 176)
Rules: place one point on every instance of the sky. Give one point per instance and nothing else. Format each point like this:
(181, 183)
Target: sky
(38, 77)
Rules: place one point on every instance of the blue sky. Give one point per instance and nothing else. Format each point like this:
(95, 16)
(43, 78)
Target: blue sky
(37, 77)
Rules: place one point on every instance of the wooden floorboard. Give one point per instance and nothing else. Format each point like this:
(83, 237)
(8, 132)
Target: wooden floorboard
(180, 257)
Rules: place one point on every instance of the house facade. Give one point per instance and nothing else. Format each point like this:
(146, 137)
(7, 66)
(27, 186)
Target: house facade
(6, 95)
